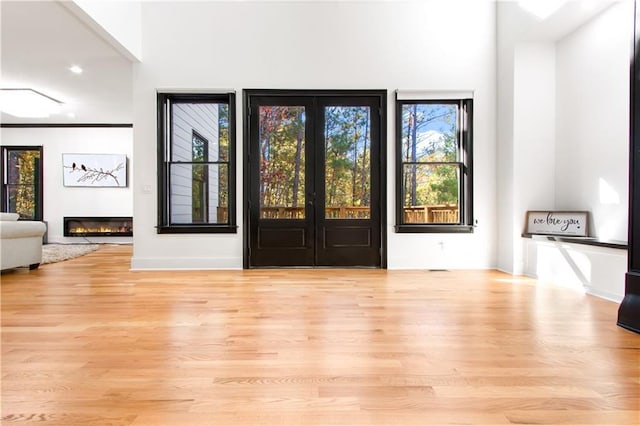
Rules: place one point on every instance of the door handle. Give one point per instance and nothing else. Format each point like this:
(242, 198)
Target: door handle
(312, 199)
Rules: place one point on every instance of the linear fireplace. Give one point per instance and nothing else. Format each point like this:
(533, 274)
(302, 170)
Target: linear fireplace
(98, 226)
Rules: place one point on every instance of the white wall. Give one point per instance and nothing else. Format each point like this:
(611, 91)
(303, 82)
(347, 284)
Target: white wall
(598, 271)
(534, 117)
(118, 22)
(61, 201)
(430, 45)
(562, 122)
(591, 154)
(592, 151)
(505, 167)
(526, 129)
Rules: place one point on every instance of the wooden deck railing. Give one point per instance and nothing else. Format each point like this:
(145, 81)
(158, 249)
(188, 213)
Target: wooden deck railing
(350, 212)
(277, 212)
(443, 213)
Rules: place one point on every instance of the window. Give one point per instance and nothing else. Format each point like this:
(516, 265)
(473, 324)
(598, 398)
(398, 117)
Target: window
(21, 168)
(433, 166)
(196, 162)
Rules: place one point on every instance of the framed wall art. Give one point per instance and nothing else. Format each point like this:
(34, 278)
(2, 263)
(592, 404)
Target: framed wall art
(562, 223)
(94, 170)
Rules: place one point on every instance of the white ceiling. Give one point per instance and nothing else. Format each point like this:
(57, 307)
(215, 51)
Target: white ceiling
(522, 26)
(40, 41)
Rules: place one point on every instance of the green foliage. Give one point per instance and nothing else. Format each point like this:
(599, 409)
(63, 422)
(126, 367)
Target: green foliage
(282, 156)
(347, 148)
(223, 155)
(282, 144)
(24, 195)
(429, 139)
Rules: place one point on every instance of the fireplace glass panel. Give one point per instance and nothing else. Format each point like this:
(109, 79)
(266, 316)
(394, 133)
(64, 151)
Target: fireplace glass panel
(98, 226)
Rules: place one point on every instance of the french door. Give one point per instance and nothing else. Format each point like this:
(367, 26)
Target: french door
(314, 178)
(22, 181)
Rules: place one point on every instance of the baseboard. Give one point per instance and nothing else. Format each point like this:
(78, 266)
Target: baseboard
(184, 263)
(617, 298)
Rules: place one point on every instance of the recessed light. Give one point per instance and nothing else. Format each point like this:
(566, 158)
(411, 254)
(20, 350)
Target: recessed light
(542, 9)
(75, 69)
(28, 103)
(71, 114)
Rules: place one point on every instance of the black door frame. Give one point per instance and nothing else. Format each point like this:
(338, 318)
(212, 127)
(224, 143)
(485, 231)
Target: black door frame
(39, 210)
(246, 102)
(629, 309)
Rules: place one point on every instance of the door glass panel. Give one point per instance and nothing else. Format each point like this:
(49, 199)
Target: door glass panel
(431, 193)
(347, 162)
(23, 167)
(282, 162)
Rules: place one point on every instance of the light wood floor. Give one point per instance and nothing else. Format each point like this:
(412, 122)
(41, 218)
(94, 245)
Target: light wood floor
(89, 342)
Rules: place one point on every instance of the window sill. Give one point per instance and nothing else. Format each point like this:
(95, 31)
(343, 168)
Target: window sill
(435, 229)
(197, 229)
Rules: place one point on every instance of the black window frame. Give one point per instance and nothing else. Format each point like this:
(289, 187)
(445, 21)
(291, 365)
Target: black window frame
(164, 102)
(465, 162)
(38, 179)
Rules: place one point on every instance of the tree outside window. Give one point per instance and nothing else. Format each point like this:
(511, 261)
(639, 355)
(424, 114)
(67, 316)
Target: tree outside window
(434, 166)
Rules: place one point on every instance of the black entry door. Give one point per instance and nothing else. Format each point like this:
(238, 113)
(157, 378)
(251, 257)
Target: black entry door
(315, 181)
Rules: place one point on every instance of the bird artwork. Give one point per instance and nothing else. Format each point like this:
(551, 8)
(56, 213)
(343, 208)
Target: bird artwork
(91, 174)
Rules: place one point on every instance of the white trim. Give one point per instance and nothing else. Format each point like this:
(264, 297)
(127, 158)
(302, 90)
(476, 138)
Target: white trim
(195, 91)
(422, 95)
(184, 263)
(606, 295)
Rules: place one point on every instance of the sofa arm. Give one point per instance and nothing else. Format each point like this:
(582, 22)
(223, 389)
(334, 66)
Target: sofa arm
(21, 229)
(9, 217)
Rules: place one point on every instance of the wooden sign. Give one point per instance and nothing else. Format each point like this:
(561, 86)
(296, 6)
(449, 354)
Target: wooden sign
(565, 223)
